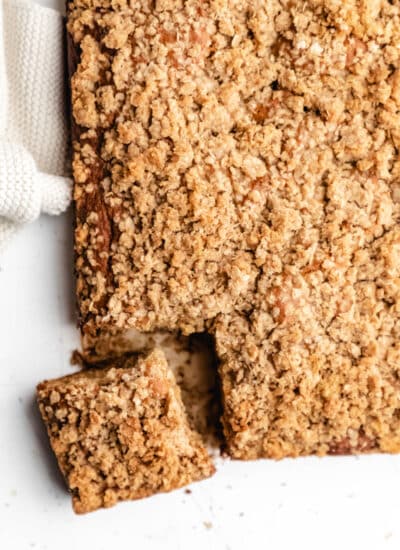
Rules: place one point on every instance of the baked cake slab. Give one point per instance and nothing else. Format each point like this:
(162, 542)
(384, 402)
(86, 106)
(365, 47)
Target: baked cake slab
(237, 171)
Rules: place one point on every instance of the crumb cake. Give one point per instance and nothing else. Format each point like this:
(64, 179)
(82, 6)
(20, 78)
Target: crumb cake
(120, 433)
(237, 171)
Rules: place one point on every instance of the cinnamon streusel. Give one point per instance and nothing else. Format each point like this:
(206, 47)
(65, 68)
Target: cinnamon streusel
(237, 171)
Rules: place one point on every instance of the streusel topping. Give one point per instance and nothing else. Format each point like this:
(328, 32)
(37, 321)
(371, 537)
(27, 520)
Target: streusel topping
(237, 170)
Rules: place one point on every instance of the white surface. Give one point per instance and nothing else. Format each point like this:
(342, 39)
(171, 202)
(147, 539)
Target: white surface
(333, 503)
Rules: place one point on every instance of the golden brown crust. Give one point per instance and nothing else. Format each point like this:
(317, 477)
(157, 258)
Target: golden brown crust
(121, 433)
(238, 171)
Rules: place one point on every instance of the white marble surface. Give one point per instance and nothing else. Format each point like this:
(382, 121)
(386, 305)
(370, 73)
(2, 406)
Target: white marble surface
(334, 503)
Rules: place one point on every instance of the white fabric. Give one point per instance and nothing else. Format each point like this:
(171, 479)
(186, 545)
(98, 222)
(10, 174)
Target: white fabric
(33, 129)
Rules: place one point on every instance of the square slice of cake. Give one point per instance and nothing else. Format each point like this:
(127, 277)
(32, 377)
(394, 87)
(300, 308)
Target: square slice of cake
(121, 433)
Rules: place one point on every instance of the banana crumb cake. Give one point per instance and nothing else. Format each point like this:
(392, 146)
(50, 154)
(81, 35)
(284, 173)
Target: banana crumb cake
(121, 433)
(237, 171)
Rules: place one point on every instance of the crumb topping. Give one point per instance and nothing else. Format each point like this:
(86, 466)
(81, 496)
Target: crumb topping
(237, 170)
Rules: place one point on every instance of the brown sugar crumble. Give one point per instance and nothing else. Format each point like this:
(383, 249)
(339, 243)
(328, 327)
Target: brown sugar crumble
(121, 433)
(237, 171)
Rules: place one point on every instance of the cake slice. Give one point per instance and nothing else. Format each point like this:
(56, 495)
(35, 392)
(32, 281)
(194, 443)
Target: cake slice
(121, 433)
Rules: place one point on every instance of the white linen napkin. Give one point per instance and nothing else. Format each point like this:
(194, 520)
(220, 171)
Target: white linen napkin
(34, 138)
